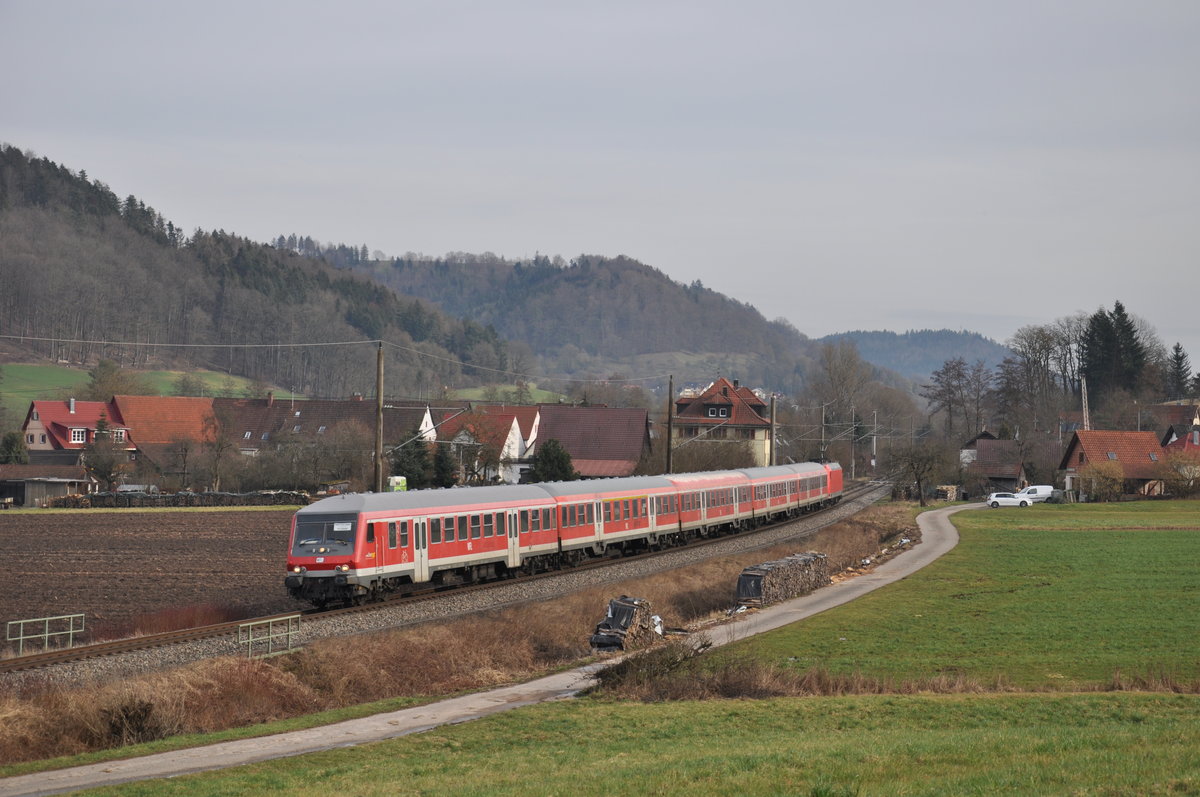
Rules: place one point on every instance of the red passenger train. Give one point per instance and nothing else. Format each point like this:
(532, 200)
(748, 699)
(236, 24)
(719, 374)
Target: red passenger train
(364, 545)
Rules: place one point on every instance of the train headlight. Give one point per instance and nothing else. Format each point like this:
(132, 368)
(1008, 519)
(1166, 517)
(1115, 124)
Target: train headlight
(298, 569)
(343, 568)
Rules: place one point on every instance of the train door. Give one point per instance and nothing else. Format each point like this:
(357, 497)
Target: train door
(420, 529)
(375, 549)
(509, 519)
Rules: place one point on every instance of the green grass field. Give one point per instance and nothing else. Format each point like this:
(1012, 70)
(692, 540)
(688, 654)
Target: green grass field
(24, 383)
(1047, 604)
(1051, 597)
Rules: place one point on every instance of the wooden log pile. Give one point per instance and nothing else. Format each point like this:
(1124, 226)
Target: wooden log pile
(772, 582)
(629, 624)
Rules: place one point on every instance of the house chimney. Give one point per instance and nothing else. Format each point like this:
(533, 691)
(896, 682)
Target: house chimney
(72, 405)
(270, 398)
(736, 384)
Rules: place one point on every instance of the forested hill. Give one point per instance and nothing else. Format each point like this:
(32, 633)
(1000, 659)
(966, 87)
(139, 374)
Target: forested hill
(615, 311)
(79, 263)
(917, 354)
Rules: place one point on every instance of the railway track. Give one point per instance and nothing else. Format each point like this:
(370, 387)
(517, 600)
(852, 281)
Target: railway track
(79, 653)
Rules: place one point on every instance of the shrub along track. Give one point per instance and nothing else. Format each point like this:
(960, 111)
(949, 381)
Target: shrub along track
(173, 649)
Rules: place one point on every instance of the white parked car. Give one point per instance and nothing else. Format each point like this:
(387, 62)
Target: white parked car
(1006, 499)
(1036, 492)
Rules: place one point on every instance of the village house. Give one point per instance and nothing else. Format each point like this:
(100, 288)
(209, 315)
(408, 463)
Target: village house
(1138, 454)
(724, 412)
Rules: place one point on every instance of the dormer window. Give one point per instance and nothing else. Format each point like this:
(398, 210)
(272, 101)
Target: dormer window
(119, 435)
(724, 412)
(79, 435)
(712, 412)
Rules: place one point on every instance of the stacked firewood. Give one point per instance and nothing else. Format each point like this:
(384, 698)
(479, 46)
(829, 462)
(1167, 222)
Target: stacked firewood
(772, 582)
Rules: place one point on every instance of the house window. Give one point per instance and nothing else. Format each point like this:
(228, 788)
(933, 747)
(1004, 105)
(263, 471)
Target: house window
(266, 435)
(79, 435)
(34, 416)
(320, 430)
(1080, 457)
(712, 412)
(296, 428)
(246, 436)
(1112, 454)
(1153, 457)
(28, 438)
(724, 412)
(119, 435)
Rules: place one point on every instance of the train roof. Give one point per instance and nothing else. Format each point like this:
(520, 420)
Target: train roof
(625, 484)
(792, 468)
(426, 499)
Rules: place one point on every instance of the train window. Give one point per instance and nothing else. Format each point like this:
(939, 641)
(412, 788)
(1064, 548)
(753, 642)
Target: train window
(642, 501)
(607, 512)
(462, 527)
(547, 519)
(435, 530)
(535, 520)
(370, 532)
(488, 520)
(474, 527)
(449, 524)
(391, 535)
(591, 514)
(404, 533)
(569, 515)
(500, 527)
(524, 521)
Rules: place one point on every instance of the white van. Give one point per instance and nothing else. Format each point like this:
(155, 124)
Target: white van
(1036, 493)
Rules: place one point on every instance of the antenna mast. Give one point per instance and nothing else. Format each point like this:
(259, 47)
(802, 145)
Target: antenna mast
(1087, 418)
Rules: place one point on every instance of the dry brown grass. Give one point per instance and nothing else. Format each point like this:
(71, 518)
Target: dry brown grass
(429, 660)
(675, 671)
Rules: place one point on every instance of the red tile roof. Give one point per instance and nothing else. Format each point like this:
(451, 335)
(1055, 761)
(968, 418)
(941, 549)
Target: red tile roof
(57, 418)
(526, 415)
(1133, 450)
(745, 408)
(165, 419)
(594, 435)
(997, 459)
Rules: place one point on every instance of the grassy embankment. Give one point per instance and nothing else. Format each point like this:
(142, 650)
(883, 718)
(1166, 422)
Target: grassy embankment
(1037, 625)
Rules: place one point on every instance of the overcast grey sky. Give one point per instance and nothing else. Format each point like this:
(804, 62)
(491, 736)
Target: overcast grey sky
(844, 165)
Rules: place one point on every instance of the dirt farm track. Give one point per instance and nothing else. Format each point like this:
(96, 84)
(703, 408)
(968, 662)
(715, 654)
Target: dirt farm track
(117, 566)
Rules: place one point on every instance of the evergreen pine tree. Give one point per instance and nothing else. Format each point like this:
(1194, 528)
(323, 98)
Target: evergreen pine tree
(445, 471)
(552, 463)
(412, 462)
(1179, 373)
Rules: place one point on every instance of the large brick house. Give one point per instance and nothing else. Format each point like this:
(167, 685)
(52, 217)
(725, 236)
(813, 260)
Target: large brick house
(724, 411)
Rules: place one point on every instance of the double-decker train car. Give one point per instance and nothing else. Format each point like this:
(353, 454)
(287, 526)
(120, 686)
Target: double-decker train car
(353, 547)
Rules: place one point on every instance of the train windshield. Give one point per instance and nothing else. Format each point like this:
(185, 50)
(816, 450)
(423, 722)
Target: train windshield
(321, 534)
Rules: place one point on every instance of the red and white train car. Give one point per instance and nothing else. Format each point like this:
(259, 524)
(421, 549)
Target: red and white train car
(356, 546)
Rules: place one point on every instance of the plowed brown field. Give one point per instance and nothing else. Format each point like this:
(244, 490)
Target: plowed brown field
(117, 566)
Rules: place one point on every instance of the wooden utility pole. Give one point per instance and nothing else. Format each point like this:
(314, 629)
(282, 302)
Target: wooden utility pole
(379, 418)
(771, 460)
(670, 420)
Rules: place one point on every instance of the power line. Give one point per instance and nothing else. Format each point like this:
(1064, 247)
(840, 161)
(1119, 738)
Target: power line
(409, 349)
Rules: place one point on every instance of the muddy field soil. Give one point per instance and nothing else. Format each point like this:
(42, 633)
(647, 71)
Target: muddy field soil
(119, 567)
